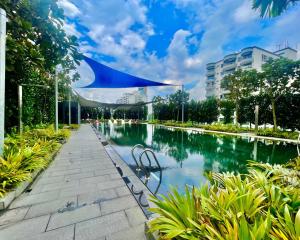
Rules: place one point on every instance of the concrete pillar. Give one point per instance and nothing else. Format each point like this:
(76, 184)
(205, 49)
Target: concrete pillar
(70, 111)
(56, 102)
(256, 111)
(20, 100)
(2, 75)
(79, 113)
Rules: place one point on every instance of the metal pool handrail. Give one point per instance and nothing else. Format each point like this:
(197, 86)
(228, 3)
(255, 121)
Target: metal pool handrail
(148, 172)
(135, 159)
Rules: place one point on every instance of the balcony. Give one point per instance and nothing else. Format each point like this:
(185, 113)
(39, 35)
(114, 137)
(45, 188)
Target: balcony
(228, 71)
(210, 74)
(229, 66)
(246, 53)
(211, 78)
(229, 59)
(210, 66)
(246, 62)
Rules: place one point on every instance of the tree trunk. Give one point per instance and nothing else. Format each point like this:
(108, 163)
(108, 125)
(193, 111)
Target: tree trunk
(274, 114)
(236, 113)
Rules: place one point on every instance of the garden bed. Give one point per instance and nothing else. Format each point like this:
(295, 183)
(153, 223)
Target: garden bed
(24, 157)
(230, 128)
(263, 204)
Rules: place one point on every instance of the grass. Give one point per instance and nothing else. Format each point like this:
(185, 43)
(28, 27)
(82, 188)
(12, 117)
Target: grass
(25, 154)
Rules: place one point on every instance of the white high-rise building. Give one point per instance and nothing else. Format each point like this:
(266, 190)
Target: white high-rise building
(135, 97)
(247, 58)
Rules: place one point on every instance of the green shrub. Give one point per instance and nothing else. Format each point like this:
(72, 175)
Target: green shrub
(231, 128)
(27, 153)
(225, 128)
(263, 204)
(277, 134)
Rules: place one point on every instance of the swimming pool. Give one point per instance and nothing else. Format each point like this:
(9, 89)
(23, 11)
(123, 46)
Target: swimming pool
(185, 156)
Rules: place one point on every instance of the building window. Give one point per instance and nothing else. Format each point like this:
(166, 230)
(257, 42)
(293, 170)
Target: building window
(264, 58)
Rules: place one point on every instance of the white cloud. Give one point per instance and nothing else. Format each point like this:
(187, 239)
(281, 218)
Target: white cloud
(70, 29)
(223, 23)
(70, 9)
(245, 13)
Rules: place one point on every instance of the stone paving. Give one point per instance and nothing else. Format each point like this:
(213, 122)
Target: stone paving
(80, 196)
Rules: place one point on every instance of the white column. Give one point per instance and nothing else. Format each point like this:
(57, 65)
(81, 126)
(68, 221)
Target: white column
(70, 112)
(182, 104)
(256, 118)
(20, 98)
(79, 113)
(56, 102)
(2, 75)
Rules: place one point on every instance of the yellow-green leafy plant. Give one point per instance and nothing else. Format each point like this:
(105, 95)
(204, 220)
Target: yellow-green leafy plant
(26, 153)
(262, 204)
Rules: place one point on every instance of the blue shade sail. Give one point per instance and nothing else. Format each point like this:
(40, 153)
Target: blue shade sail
(106, 77)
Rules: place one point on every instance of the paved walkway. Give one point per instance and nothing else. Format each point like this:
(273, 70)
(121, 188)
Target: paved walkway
(80, 196)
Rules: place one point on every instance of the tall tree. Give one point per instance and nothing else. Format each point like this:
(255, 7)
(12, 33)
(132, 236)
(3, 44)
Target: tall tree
(272, 8)
(227, 110)
(177, 99)
(279, 77)
(239, 84)
(36, 44)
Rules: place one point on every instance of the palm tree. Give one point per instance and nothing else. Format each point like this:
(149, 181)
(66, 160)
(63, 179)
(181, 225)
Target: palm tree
(272, 8)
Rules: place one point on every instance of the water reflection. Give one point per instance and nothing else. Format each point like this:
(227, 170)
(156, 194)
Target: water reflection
(185, 156)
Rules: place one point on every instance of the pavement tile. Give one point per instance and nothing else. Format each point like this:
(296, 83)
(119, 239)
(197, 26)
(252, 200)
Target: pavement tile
(80, 175)
(27, 199)
(65, 233)
(74, 216)
(117, 204)
(136, 233)
(110, 184)
(13, 215)
(24, 229)
(98, 179)
(96, 196)
(90, 187)
(49, 207)
(135, 216)
(99, 227)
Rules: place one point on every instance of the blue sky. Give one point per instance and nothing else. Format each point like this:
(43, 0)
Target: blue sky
(170, 40)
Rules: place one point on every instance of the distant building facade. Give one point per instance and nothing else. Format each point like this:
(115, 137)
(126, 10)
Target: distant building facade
(247, 58)
(135, 97)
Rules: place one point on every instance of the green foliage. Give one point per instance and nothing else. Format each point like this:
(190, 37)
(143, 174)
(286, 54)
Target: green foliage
(262, 204)
(36, 43)
(227, 110)
(206, 111)
(277, 134)
(279, 77)
(239, 84)
(25, 154)
(225, 128)
(137, 112)
(272, 8)
(171, 107)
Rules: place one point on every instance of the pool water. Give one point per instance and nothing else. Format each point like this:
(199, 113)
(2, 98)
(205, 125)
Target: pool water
(185, 156)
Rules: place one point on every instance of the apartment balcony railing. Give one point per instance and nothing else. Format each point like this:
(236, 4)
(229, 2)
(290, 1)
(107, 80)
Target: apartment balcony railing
(229, 66)
(246, 53)
(210, 66)
(210, 74)
(229, 59)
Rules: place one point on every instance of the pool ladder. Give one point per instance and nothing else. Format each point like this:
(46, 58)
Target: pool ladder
(146, 167)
